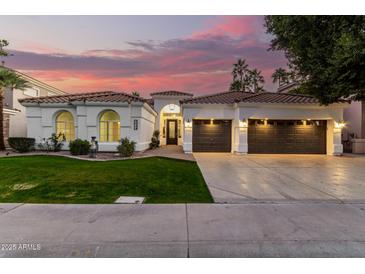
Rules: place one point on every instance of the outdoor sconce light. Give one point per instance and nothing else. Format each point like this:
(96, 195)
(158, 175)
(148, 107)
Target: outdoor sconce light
(243, 123)
(93, 147)
(188, 123)
(340, 124)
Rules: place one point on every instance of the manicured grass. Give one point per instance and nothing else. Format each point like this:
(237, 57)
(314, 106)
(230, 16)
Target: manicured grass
(52, 179)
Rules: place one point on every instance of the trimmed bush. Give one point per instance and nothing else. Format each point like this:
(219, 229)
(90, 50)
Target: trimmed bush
(21, 144)
(155, 140)
(79, 147)
(126, 147)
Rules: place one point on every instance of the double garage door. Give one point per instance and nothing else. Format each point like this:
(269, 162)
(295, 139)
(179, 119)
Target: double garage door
(271, 136)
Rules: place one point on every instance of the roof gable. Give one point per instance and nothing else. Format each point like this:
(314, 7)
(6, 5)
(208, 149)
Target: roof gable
(171, 93)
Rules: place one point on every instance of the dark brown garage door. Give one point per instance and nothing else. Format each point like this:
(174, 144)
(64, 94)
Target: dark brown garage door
(211, 135)
(281, 136)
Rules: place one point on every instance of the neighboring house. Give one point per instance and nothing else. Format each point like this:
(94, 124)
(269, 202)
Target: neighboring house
(239, 122)
(15, 121)
(354, 132)
(286, 87)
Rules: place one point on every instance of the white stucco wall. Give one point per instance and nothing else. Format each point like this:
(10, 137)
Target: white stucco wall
(41, 122)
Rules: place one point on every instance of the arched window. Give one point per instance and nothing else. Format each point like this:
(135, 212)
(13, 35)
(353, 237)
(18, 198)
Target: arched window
(65, 124)
(109, 127)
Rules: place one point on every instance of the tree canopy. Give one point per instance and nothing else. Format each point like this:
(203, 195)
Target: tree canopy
(325, 53)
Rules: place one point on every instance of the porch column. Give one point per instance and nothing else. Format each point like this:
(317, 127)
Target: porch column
(241, 138)
(334, 144)
(188, 136)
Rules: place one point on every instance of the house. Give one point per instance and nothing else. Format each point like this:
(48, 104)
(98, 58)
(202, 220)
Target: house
(15, 121)
(354, 132)
(237, 122)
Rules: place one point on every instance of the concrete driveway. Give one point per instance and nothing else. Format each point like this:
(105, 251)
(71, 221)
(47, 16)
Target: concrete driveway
(283, 178)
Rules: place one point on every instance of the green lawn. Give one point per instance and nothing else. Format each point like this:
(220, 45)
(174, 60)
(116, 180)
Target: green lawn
(52, 179)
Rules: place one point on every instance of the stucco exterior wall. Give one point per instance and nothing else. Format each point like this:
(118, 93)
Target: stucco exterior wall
(41, 123)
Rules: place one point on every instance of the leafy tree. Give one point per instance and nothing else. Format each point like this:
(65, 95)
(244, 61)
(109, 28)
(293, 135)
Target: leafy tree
(280, 75)
(135, 93)
(8, 79)
(255, 81)
(325, 53)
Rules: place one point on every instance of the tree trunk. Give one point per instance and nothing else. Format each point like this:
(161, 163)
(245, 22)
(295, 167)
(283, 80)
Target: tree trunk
(2, 142)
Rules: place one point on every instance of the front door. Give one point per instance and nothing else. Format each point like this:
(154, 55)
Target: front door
(171, 138)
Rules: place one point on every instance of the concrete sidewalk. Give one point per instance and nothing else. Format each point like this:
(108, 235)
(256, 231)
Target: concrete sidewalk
(179, 230)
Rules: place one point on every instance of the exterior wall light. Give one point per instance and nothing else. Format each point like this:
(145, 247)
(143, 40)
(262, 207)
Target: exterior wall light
(243, 123)
(340, 124)
(188, 123)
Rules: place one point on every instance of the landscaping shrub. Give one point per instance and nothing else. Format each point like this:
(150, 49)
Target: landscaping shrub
(21, 144)
(79, 147)
(155, 140)
(57, 141)
(126, 147)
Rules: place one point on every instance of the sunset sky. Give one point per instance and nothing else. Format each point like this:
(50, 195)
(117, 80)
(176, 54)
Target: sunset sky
(138, 53)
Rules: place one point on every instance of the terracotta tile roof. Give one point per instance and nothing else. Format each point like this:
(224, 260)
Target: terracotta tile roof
(264, 97)
(171, 93)
(218, 98)
(286, 98)
(103, 96)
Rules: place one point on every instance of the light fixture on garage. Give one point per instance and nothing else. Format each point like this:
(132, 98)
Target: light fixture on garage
(243, 123)
(188, 123)
(340, 124)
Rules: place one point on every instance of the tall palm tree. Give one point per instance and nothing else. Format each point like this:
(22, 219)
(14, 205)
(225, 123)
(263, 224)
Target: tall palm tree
(8, 79)
(280, 75)
(256, 81)
(239, 72)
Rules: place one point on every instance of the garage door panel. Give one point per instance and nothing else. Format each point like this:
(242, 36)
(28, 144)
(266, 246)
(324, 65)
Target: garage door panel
(280, 136)
(211, 136)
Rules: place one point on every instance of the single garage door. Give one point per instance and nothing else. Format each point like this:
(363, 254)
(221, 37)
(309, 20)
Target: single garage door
(282, 136)
(212, 135)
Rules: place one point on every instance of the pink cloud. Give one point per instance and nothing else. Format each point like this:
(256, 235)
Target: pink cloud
(232, 26)
(201, 62)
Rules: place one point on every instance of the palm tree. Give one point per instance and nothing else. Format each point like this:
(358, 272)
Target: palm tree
(8, 79)
(3, 43)
(135, 93)
(235, 86)
(239, 72)
(280, 75)
(256, 81)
